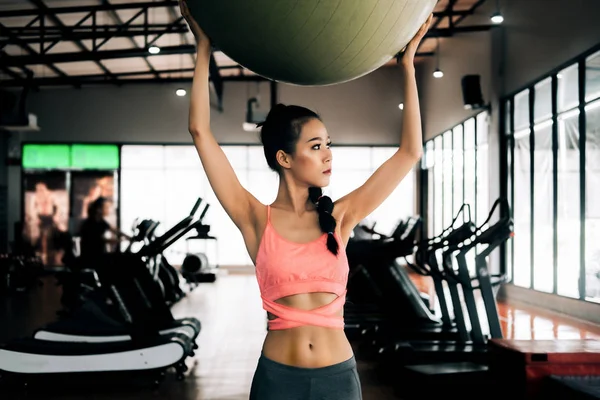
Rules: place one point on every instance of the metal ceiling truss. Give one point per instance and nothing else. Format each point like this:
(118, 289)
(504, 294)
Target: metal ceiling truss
(44, 37)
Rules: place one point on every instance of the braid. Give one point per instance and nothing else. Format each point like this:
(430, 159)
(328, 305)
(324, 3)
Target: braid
(326, 220)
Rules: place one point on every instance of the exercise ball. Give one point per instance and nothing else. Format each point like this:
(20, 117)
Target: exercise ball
(311, 42)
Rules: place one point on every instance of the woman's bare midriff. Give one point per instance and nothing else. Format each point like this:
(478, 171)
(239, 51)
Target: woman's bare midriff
(307, 346)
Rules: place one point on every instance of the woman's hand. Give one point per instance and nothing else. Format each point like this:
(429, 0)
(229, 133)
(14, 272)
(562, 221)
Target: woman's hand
(201, 38)
(411, 49)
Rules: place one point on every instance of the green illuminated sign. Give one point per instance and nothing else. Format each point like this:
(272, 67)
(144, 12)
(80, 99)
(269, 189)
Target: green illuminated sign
(46, 156)
(94, 156)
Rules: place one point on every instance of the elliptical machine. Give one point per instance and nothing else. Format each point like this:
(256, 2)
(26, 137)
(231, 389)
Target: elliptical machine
(94, 321)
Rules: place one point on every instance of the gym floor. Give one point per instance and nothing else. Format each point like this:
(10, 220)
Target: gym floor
(233, 328)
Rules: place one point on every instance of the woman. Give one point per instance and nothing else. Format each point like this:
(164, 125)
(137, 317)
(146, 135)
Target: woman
(298, 242)
(94, 232)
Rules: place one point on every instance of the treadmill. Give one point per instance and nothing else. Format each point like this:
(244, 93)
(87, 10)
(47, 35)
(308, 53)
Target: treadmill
(401, 306)
(92, 323)
(26, 360)
(468, 355)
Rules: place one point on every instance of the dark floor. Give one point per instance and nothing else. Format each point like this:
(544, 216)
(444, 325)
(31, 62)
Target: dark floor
(233, 329)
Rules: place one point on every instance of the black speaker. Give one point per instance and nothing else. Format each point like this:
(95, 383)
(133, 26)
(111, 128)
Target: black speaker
(471, 90)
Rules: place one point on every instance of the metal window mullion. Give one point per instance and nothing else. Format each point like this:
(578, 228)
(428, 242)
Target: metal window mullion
(531, 187)
(554, 184)
(582, 179)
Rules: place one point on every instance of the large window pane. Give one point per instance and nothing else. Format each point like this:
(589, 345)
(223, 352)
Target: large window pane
(401, 203)
(510, 188)
(142, 196)
(522, 209)
(483, 197)
(543, 254)
(592, 77)
(439, 185)
(592, 210)
(569, 219)
(448, 182)
(469, 162)
(431, 185)
(568, 88)
(470, 178)
(542, 106)
(457, 168)
(522, 110)
(142, 157)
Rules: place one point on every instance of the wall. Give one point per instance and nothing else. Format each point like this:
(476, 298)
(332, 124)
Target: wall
(442, 101)
(363, 111)
(535, 45)
(357, 112)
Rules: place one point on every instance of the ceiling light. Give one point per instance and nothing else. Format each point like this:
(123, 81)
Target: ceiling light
(154, 50)
(497, 18)
(437, 73)
(401, 106)
(180, 92)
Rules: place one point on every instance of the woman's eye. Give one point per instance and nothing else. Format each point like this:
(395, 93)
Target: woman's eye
(329, 145)
(316, 147)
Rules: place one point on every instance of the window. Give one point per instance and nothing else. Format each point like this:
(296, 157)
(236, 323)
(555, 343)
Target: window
(457, 169)
(592, 77)
(568, 88)
(553, 180)
(522, 209)
(543, 101)
(592, 210)
(521, 110)
(482, 207)
(568, 209)
(543, 254)
(163, 182)
(458, 173)
(448, 182)
(438, 190)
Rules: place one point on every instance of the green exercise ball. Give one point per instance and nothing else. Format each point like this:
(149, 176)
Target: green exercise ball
(311, 42)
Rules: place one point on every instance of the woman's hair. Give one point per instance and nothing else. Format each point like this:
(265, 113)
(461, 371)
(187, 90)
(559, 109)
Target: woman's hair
(281, 131)
(94, 206)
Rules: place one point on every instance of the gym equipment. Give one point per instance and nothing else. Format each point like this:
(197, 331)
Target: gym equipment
(465, 358)
(397, 308)
(126, 279)
(94, 322)
(19, 273)
(195, 267)
(311, 42)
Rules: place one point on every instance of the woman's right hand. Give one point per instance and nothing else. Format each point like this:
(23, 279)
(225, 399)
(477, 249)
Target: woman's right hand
(201, 38)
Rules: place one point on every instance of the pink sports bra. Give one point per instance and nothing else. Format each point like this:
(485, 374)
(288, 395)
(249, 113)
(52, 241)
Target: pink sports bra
(285, 268)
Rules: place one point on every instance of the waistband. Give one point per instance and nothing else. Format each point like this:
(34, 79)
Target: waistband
(329, 370)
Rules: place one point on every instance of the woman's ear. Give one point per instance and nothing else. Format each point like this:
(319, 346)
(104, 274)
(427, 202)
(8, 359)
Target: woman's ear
(283, 159)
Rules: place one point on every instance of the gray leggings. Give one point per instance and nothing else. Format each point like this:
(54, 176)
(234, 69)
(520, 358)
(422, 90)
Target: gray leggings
(273, 380)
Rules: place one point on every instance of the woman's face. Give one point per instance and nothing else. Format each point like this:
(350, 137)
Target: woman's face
(311, 162)
(106, 209)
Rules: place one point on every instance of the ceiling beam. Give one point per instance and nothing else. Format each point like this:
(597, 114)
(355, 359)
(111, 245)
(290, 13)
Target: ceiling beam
(86, 9)
(129, 6)
(4, 58)
(58, 81)
(53, 34)
(448, 32)
(118, 20)
(16, 61)
(41, 6)
(92, 56)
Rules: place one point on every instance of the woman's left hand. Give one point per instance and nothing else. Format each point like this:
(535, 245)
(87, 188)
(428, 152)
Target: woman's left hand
(408, 57)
